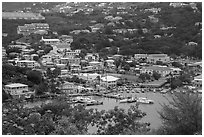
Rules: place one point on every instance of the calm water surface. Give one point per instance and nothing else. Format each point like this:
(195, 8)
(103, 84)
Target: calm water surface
(150, 109)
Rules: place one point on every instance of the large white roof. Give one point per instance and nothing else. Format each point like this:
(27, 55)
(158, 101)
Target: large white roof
(15, 85)
(109, 78)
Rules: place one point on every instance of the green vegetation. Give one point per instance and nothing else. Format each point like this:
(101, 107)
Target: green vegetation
(60, 118)
(182, 115)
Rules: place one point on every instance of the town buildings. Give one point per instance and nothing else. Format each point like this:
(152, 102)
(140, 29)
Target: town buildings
(26, 63)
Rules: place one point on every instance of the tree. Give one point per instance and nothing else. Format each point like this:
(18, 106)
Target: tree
(159, 63)
(5, 96)
(34, 76)
(156, 75)
(41, 88)
(117, 63)
(183, 116)
(127, 67)
(175, 82)
(177, 64)
(36, 58)
(144, 76)
(117, 121)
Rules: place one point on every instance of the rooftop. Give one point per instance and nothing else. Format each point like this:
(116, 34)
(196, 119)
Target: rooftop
(109, 78)
(162, 68)
(16, 85)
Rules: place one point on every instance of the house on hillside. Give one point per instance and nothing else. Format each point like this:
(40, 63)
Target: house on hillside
(17, 90)
(197, 82)
(26, 63)
(50, 41)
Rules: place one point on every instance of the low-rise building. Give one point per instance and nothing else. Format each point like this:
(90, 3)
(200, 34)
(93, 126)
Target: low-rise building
(140, 56)
(26, 63)
(96, 65)
(16, 89)
(75, 68)
(50, 41)
(109, 81)
(153, 58)
(70, 61)
(197, 82)
(91, 57)
(71, 54)
(110, 63)
(159, 69)
(68, 87)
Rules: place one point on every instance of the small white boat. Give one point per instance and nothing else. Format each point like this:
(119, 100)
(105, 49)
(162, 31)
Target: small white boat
(128, 100)
(145, 100)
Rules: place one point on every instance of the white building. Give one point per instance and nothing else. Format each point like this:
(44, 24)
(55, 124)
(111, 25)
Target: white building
(16, 89)
(198, 81)
(50, 41)
(91, 57)
(68, 87)
(109, 81)
(96, 65)
(26, 63)
(159, 69)
(140, 56)
(153, 58)
(71, 54)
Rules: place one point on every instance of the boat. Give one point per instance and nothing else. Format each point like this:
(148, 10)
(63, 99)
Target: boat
(145, 100)
(128, 100)
(93, 102)
(164, 91)
(81, 99)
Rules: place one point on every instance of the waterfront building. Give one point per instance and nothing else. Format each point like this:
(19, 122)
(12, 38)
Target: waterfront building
(16, 89)
(26, 63)
(109, 81)
(68, 87)
(163, 70)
